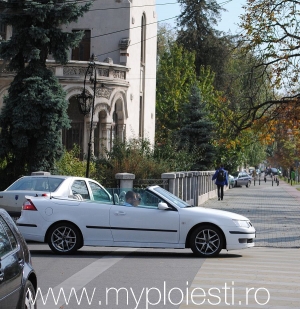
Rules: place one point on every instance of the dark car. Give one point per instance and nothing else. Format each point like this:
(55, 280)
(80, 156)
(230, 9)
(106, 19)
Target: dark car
(273, 171)
(18, 282)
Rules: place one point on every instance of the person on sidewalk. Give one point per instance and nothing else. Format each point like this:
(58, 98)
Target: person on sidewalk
(221, 180)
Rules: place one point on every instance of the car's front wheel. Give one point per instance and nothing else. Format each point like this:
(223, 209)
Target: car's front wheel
(64, 238)
(28, 301)
(206, 241)
(248, 184)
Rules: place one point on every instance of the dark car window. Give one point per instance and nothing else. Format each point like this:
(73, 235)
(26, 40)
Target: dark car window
(36, 184)
(7, 239)
(80, 187)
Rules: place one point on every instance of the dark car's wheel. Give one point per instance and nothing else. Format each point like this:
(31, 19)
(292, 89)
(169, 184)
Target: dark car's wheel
(28, 301)
(206, 241)
(64, 238)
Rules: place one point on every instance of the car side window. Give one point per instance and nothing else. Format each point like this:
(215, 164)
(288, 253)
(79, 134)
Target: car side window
(80, 187)
(149, 200)
(99, 193)
(7, 239)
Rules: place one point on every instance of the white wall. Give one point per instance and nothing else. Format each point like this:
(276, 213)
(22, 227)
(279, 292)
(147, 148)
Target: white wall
(122, 19)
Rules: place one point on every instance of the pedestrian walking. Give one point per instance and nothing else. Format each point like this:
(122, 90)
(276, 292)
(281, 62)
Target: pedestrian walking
(221, 180)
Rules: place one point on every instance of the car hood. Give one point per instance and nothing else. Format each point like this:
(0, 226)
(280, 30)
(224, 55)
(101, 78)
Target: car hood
(214, 213)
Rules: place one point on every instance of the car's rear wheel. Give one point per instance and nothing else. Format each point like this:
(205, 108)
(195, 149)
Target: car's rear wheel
(206, 241)
(248, 184)
(64, 238)
(28, 301)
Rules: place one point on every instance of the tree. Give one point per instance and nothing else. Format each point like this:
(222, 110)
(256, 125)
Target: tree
(35, 108)
(166, 36)
(197, 131)
(197, 34)
(175, 75)
(271, 33)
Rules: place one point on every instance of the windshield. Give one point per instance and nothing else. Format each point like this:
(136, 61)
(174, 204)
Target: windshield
(171, 197)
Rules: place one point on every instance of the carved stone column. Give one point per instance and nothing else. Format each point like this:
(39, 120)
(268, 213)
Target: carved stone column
(121, 132)
(106, 135)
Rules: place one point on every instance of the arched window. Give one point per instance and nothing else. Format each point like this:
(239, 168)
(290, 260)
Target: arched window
(142, 76)
(143, 39)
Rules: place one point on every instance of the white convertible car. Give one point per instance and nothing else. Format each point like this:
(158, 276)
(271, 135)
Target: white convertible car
(161, 220)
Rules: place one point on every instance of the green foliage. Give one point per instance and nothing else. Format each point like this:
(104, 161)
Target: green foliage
(197, 131)
(35, 110)
(37, 31)
(175, 75)
(174, 157)
(135, 156)
(34, 113)
(70, 164)
(197, 34)
(166, 36)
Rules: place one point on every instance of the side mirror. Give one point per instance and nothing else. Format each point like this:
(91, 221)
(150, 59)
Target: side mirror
(162, 206)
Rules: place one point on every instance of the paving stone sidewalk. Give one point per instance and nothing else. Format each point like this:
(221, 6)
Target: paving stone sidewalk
(273, 210)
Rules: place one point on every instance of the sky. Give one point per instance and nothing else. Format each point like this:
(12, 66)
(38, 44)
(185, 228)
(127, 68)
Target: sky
(166, 9)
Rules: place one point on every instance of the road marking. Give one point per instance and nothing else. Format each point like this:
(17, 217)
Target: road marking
(81, 279)
(257, 279)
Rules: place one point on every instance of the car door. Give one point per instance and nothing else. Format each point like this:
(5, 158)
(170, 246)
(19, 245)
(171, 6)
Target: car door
(11, 267)
(242, 179)
(144, 223)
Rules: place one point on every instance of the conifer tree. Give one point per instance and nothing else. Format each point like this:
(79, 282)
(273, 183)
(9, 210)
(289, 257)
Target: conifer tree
(196, 133)
(35, 109)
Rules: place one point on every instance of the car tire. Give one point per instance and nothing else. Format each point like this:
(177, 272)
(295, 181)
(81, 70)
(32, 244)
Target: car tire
(28, 300)
(248, 184)
(235, 184)
(64, 238)
(206, 241)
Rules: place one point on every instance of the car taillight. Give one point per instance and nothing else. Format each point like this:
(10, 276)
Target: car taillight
(28, 205)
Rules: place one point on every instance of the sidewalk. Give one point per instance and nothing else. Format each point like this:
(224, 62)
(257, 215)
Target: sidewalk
(270, 270)
(273, 210)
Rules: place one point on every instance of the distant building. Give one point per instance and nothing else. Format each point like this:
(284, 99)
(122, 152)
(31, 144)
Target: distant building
(122, 35)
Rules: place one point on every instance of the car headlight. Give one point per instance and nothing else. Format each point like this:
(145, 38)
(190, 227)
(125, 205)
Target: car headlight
(242, 223)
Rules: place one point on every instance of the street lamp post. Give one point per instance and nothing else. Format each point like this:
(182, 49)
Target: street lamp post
(86, 103)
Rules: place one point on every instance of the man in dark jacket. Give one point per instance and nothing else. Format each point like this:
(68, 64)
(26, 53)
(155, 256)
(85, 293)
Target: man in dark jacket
(221, 180)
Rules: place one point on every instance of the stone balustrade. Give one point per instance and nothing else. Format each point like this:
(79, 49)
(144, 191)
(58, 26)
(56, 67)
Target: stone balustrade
(194, 187)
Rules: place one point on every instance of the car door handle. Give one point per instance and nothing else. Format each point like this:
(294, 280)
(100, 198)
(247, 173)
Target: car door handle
(120, 213)
(21, 262)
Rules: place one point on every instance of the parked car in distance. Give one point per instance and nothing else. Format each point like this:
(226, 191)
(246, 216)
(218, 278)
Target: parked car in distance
(273, 171)
(18, 281)
(13, 197)
(231, 181)
(242, 179)
(68, 224)
(251, 169)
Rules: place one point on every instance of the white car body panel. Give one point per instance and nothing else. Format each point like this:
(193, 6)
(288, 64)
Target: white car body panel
(129, 225)
(116, 225)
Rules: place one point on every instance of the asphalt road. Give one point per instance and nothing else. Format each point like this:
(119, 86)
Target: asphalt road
(266, 276)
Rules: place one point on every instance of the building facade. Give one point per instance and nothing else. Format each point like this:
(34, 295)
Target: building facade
(121, 34)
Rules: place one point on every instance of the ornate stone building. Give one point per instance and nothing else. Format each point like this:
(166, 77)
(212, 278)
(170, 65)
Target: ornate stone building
(122, 36)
